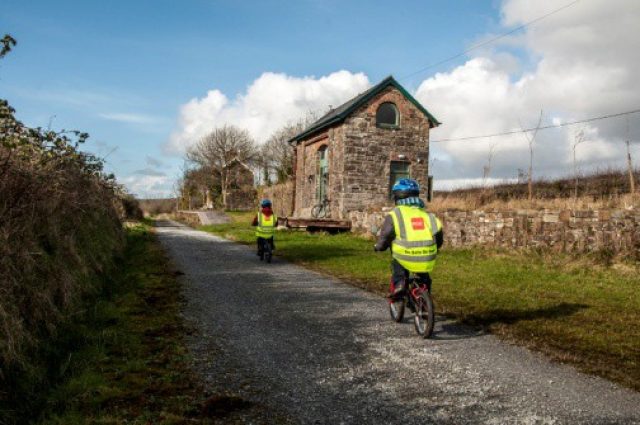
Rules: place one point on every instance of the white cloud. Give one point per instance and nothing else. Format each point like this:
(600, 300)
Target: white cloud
(269, 102)
(147, 186)
(452, 184)
(148, 171)
(578, 63)
(154, 162)
(130, 118)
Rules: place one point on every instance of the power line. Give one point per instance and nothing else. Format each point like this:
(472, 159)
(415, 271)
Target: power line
(484, 43)
(526, 130)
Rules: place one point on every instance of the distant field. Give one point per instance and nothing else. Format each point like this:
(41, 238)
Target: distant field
(606, 189)
(572, 310)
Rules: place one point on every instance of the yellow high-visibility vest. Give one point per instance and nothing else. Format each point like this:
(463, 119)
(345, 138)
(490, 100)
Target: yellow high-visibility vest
(415, 245)
(266, 226)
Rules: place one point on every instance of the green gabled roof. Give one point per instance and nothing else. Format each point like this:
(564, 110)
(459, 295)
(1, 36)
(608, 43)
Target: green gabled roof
(343, 111)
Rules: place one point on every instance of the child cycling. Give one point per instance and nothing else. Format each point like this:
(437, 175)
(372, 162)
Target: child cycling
(265, 222)
(413, 235)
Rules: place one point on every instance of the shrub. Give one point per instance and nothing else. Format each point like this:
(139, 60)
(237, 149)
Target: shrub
(59, 233)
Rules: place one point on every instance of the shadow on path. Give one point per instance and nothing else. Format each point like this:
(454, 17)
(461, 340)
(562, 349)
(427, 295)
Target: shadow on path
(510, 316)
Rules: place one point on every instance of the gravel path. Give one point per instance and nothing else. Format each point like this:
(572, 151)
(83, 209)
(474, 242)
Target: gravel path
(321, 351)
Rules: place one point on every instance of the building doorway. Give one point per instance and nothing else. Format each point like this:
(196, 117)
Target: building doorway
(323, 174)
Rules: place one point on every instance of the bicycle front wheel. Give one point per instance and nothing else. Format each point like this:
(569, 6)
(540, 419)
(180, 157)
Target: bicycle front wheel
(318, 211)
(425, 317)
(396, 309)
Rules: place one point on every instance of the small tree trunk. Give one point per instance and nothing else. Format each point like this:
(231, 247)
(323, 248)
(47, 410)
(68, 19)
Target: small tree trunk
(575, 174)
(530, 171)
(209, 204)
(632, 183)
(223, 186)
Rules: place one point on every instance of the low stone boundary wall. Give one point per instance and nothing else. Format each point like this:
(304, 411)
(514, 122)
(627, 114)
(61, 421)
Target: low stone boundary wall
(189, 217)
(567, 231)
(196, 218)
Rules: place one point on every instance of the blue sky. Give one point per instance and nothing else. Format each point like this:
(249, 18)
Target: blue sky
(123, 70)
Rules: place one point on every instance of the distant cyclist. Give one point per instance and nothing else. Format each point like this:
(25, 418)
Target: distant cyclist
(266, 222)
(413, 235)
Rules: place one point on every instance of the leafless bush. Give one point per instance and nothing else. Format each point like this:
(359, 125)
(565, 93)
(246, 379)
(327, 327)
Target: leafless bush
(59, 231)
(276, 155)
(157, 206)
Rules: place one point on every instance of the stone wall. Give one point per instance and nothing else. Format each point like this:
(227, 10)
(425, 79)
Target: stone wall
(281, 195)
(191, 218)
(243, 199)
(566, 231)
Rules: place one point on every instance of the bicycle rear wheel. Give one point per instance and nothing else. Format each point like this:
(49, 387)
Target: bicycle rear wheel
(268, 253)
(425, 317)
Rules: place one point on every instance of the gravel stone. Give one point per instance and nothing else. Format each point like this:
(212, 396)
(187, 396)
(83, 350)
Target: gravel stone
(319, 351)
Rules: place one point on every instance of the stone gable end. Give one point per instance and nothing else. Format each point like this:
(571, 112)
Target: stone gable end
(359, 158)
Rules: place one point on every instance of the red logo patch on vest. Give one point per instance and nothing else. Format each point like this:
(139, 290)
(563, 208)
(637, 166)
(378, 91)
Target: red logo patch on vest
(417, 223)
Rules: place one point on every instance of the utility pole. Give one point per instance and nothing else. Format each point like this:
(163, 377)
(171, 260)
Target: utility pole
(632, 183)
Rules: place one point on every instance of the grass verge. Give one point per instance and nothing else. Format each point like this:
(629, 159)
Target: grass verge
(571, 309)
(129, 364)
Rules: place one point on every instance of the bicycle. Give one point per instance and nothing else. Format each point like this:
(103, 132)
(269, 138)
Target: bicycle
(321, 210)
(416, 296)
(266, 251)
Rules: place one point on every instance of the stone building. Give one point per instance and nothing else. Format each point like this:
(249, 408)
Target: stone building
(241, 193)
(353, 154)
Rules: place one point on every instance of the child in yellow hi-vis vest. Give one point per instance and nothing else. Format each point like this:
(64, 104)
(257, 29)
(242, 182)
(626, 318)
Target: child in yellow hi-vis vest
(265, 222)
(414, 235)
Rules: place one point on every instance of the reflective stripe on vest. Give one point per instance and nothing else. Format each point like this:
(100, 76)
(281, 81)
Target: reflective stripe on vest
(415, 246)
(266, 226)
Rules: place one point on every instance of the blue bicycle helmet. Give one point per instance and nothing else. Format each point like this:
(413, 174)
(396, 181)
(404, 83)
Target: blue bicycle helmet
(405, 188)
(265, 203)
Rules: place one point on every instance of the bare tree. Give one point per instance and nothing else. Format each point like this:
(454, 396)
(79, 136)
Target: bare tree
(177, 191)
(577, 139)
(531, 139)
(198, 184)
(277, 153)
(218, 149)
(632, 183)
(486, 170)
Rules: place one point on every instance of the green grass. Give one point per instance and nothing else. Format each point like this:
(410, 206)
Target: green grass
(130, 363)
(574, 310)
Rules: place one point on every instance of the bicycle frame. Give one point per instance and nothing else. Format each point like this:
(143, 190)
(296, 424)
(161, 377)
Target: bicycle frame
(413, 289)
(417, 289)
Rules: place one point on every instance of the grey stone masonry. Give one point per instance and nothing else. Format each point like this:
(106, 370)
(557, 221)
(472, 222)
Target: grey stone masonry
(359, 157)
(565, 231)
(369, 150)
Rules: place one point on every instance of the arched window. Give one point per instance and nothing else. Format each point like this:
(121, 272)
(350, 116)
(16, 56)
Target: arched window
(387, 115)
